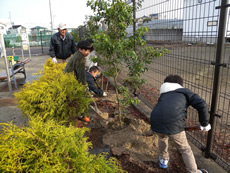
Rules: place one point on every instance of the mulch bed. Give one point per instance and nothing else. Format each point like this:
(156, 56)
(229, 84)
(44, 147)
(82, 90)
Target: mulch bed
(128, 163)
(175, 165)
(96, 134)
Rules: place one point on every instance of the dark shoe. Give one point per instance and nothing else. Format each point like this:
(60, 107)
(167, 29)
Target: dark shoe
(80, 117)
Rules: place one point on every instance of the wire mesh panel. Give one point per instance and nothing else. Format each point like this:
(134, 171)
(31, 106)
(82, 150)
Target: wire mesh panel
(221, 141)
(189, 30)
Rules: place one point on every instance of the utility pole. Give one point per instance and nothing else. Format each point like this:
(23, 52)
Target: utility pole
(11, 23)
(51, 17)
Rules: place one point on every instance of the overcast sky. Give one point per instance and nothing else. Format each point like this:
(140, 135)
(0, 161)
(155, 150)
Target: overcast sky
(30, 13)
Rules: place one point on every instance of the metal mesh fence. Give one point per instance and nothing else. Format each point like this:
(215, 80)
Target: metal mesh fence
(189, 30)
(38, 39)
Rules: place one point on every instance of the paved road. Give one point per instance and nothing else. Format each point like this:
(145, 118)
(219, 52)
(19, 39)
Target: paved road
(34, 51)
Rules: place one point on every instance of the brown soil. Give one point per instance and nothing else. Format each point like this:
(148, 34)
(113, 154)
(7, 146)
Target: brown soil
(136, 153)
(4, 87)
(10, 100)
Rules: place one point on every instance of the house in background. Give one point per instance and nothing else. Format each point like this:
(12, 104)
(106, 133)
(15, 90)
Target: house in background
(2, 27)
(142, 20)
(16, 29)
(40, 35)
(13, 36)
(155, 16)
(164, 18)
(35, 32)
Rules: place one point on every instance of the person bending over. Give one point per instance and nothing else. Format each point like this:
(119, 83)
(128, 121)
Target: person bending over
(168, 120)
(91, 76)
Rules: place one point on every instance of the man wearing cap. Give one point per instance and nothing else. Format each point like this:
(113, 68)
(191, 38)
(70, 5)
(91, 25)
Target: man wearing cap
(77, 62)
(62, 45)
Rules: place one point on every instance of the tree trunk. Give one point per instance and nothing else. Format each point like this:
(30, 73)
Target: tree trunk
(118, 100)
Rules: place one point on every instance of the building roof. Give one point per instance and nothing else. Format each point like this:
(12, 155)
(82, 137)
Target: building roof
(38, 27)
(16, 26)
(2, 23)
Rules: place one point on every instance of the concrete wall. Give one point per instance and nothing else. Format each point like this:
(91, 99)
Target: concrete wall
(208, 40)
(164, 34)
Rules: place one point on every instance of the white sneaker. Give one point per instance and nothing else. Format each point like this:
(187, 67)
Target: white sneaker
(203, 171)
(163, 163)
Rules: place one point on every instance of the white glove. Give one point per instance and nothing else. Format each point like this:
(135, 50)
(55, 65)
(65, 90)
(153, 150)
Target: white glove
(104, 94)
(54, 60)
(206, 128)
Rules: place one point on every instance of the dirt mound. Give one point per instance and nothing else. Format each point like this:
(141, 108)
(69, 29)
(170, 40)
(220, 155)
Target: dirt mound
(130, 141)
(136, 153)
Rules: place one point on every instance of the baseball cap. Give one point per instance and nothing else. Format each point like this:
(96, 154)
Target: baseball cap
(62, 26)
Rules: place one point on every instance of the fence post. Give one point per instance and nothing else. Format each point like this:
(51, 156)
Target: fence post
(41, 42)
(134, 22)
(215, 91)
(5, 60)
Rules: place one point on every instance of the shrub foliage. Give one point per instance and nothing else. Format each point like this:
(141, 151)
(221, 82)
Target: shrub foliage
(54, 95)
(49, 147)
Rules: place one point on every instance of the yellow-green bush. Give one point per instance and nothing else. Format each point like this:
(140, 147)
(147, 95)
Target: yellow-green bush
(49, 147)
(54, 95)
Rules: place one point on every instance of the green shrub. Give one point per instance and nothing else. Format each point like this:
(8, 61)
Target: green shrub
(54, 95)
(49, 147)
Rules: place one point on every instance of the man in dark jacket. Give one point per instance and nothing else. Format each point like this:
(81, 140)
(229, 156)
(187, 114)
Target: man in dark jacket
(92, 83)
(168, 120)
(62, 45)
(77, 62)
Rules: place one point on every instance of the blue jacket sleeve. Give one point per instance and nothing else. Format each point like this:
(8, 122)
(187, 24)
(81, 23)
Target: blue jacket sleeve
(92, 85)
(200, 105)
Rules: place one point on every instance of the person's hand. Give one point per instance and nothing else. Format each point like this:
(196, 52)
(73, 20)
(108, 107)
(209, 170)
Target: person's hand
(54, 60)
(206, 128)
(104, 94)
